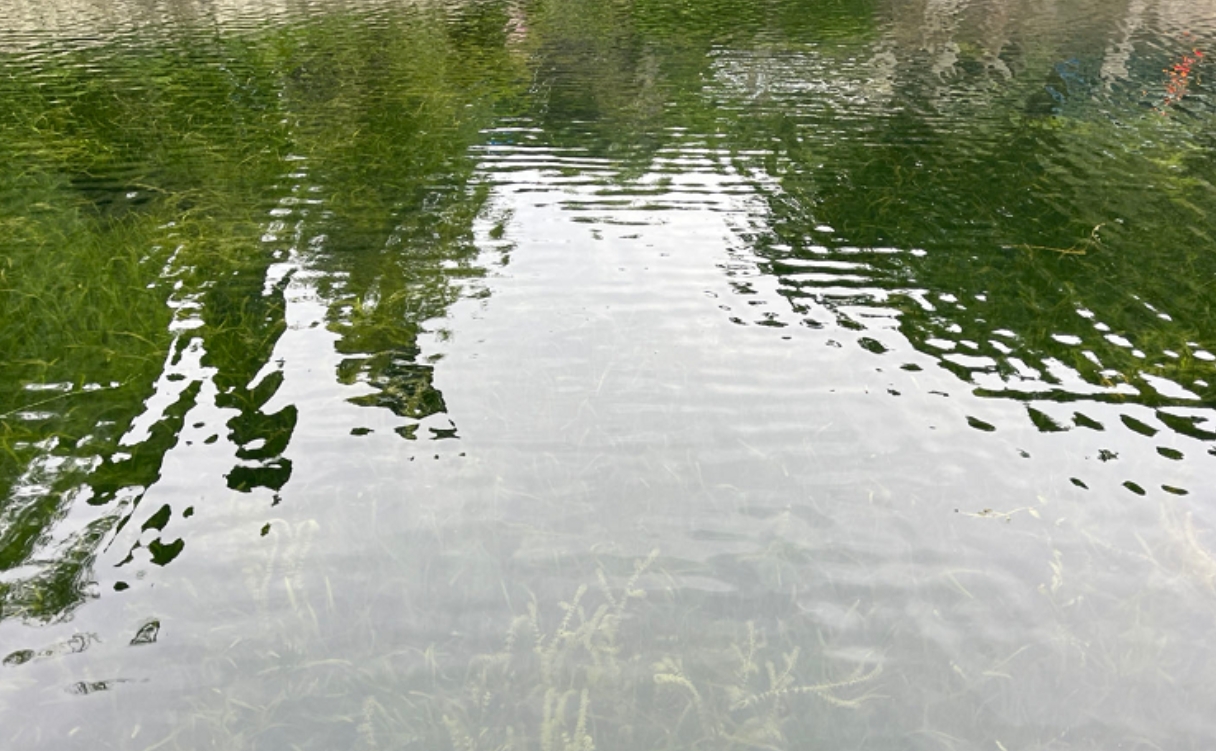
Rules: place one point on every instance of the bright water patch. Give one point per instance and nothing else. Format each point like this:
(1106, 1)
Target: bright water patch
(571, 375)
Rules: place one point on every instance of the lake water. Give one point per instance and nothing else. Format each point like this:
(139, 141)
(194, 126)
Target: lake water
(645, 374)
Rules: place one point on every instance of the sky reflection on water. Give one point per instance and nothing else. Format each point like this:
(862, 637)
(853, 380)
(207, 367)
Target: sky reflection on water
(548, 375)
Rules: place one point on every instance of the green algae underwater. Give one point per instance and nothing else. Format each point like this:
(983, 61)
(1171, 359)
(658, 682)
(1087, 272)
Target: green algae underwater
(571, 375)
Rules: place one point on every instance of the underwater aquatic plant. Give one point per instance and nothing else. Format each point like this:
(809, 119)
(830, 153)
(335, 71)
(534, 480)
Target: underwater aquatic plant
(582, 685)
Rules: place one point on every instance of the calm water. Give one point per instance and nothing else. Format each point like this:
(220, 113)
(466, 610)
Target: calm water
(571, 374)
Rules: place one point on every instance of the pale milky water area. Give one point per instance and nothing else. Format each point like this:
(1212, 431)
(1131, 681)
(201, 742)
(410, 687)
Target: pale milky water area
(565, 375)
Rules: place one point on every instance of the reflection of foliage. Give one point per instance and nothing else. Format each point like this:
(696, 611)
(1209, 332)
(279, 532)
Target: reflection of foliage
(993, 221)
(127, 208)
(986, 245)
(389, 151)
(102, 220)
(622, 79)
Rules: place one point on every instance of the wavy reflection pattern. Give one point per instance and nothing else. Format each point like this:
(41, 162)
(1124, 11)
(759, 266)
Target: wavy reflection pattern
(945, 189)
(231, 169)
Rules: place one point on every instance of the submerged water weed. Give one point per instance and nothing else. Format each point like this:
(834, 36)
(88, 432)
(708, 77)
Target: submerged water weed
(289, 547)
(1093, 242)
(1189, 555)
(1177, 552)
(272, 658)
(588, 682)
(537, 691)
(751, 710)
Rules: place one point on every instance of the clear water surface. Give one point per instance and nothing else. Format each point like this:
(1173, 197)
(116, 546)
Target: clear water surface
(643, 374)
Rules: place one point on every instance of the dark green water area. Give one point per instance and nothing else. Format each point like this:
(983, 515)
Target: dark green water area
(562, 375)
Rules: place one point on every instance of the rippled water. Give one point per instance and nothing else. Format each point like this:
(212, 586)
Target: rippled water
(566, 374)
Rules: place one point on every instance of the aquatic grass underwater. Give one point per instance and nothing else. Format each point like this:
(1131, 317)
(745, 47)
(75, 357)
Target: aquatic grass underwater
(599, 669)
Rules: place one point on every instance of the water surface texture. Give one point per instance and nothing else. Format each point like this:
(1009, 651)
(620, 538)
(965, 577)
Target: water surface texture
(644, 374)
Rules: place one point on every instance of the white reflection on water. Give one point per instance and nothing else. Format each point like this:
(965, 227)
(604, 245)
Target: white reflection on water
(624, 388)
